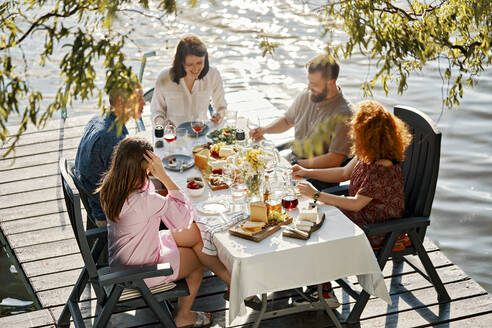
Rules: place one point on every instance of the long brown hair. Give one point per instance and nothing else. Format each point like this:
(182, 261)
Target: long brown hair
(190, 45)
(127, 174)
(378, 134)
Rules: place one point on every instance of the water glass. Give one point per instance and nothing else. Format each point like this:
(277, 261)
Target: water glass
(242, 123)
(231, 118)
(181, 140)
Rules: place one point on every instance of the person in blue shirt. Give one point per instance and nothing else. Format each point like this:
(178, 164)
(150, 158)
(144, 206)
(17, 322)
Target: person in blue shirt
(100, 136)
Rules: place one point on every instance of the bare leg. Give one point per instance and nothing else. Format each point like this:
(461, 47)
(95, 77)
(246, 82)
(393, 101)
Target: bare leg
(190, 269)
(192, 238)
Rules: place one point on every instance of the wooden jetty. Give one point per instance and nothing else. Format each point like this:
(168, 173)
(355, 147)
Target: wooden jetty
(37, 228)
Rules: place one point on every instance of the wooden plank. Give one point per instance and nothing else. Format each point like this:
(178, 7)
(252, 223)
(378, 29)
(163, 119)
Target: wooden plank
(43, 236)
(46, 147)
(32, 210)
(52, 265)
(29, 319)
(47, 135)
(35, 223)
(27, 173)
(36, 159)
(19, 187)
(30, 197)
(432, 315)
(43, 251)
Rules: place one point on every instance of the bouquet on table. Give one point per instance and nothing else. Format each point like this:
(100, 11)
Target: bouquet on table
(252, 170)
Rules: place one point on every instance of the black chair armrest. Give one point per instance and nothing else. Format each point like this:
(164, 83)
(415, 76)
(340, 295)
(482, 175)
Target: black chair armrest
(337, 190)
(101, 232)
(396, 224)
(130, 275)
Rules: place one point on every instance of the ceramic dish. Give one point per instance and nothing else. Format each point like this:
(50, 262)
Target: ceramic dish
(214, 207)
(180, 163)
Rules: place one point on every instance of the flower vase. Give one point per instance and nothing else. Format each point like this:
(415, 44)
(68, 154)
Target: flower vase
(253, 184)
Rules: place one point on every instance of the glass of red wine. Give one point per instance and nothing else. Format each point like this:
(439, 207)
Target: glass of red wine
(170, 135)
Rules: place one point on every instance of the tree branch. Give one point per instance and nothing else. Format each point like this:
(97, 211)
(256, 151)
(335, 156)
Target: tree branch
(43, 19)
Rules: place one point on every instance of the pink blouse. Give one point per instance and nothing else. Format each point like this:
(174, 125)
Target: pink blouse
(135, 239)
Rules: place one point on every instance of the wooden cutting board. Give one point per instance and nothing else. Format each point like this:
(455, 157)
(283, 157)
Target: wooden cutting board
(206, 174)
(321, 219)
(259, 236)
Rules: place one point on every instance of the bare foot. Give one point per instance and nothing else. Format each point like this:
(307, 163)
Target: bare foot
(185, 320)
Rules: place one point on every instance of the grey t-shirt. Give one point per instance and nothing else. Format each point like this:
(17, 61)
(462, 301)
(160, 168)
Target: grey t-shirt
(307, 115)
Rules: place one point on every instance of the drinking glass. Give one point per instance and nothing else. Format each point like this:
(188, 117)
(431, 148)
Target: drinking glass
(253, 125)
(271, 154)
(170, 136)
(231, 118)
(181, 140)
(228, 174)
(289, 201)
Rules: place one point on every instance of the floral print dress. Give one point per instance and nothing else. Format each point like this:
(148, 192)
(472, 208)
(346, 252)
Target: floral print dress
(384, 184)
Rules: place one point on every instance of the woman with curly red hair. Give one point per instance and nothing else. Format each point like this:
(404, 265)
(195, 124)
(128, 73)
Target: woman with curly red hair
(376, 190)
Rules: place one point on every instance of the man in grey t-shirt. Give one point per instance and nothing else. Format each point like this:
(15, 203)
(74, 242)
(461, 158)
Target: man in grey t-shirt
(322, 101)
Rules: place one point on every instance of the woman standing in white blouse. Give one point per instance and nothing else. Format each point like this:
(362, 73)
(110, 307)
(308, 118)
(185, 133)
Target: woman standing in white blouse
(182, 93)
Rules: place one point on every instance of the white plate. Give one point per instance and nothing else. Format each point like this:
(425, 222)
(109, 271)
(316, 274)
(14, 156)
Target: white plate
(214, 207)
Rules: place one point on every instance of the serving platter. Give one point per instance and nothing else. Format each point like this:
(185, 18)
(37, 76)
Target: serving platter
(258, 236)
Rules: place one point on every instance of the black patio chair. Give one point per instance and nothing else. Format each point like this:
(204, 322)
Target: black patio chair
(420, 171)
(85, 195)
(115, 291)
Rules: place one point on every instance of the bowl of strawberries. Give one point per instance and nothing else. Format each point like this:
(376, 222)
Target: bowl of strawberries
(195, 186)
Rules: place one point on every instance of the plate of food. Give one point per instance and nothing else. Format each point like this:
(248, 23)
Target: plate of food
(226, 135)
(194, 129)
(178, 162)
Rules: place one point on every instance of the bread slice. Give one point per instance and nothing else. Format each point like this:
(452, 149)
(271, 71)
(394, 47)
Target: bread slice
(253, 226)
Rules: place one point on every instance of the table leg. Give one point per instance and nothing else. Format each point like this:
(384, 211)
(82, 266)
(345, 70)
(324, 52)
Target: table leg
(262, 311)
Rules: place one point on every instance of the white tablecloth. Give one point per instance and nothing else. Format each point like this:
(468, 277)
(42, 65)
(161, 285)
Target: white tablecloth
(339, 249)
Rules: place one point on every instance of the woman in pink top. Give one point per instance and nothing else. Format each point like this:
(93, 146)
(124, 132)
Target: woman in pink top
(135, 210)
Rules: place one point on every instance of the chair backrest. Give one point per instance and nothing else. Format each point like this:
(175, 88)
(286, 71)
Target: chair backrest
(83, 193)
(421, 165)
(72, 202)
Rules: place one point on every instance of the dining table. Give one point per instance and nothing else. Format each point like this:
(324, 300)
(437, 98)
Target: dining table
(337, 250)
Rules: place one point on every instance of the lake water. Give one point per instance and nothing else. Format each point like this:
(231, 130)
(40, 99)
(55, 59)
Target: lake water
(462, 211)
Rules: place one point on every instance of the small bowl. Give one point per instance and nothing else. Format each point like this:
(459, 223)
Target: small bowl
(198, 191)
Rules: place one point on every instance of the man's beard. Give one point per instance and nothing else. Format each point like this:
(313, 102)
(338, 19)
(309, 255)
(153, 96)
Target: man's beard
(319, 97)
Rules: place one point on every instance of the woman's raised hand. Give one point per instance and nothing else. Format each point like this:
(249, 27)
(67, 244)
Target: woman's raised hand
(155, 164)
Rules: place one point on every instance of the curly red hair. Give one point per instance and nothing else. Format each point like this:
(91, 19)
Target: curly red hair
(378, 134)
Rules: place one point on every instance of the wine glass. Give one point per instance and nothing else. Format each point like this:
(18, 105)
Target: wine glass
(170, 136)
(197, 126)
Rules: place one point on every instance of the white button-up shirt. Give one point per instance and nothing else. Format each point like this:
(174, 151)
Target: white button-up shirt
(175, 102)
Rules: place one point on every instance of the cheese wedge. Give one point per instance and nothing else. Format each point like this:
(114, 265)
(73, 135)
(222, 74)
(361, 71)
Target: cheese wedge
(201, 159)
(304, 225)
(253, 226)
(310, 214)
(258, 212)
(225, 151)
